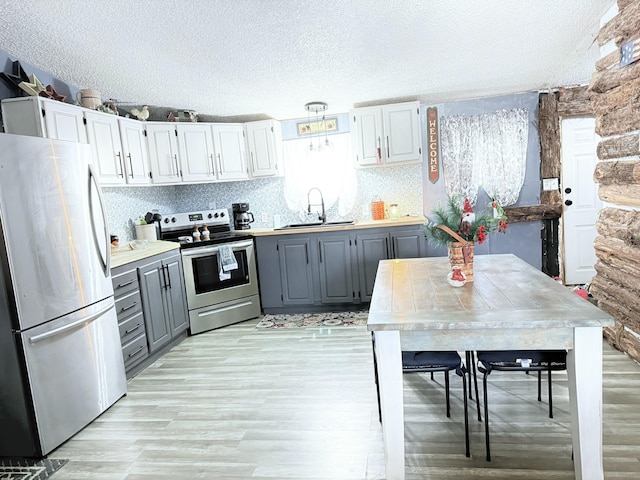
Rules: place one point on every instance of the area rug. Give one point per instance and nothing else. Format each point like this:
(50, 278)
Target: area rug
(311, 320)
(25, 469)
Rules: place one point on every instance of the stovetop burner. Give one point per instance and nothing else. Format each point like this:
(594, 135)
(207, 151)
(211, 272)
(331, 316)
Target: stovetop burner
(178, 227)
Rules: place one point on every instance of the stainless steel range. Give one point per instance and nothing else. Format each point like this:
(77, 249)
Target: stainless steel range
(219, 268)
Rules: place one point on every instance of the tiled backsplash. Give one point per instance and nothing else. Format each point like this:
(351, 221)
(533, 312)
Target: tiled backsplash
(401, 184)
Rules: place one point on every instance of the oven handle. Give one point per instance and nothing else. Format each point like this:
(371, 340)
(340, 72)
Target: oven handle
(199, 251)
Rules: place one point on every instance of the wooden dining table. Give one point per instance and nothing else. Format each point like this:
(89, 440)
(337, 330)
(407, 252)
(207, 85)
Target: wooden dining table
(510, 305)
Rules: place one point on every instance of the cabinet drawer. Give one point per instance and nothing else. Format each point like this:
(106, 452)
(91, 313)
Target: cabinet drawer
(131, 328)
(124, 282)
(128, 305)
(135, 351)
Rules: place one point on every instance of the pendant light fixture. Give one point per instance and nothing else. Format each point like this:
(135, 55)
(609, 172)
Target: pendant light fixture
(316, 107)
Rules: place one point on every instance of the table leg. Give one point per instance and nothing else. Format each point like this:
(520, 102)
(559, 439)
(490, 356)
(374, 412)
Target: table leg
(584, 368)
(389, 358)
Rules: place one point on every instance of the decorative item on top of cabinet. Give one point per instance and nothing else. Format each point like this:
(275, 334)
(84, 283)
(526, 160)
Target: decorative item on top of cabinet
(264, 142)
(386, 134)
(43, 117)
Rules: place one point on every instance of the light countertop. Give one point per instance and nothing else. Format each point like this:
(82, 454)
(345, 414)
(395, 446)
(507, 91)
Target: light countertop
(124, 254)
(398, 222)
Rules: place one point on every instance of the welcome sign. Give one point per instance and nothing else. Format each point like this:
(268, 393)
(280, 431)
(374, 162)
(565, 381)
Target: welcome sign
(433, 137)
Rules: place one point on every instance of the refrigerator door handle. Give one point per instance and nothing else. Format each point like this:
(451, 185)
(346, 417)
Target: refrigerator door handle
(106, 261)
(59, 330)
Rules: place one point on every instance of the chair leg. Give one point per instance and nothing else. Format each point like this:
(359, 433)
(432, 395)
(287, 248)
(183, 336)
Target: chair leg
(550, 397)
(466, 416)
(471, 360)
(539, 385)
(375, 376)
(486, 418)
(446, 390)
(468, 360)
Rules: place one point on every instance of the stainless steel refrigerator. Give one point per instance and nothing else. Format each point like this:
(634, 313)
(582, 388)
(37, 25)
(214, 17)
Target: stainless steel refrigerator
(61, 361)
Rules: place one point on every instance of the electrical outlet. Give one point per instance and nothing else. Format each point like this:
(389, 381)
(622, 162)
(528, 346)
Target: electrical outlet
(264, 217)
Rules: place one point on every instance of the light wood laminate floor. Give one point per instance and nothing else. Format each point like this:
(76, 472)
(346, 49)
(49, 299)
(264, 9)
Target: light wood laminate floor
(237, 403)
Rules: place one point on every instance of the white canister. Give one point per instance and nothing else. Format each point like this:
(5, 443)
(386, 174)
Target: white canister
(146, 232)
(89, 98)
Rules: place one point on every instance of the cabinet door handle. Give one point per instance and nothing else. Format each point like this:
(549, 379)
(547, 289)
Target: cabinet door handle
(387, 147)
(120, 163)
(164, 278)
(124, 309)
(306, 252)
(120, 285)
(319, 250)
(130, 164)
(168, 275)
(133, 354)
(175, 157)
(220, 163)
(127, 332)
(253, 162)
(213, 167)
(386, 244)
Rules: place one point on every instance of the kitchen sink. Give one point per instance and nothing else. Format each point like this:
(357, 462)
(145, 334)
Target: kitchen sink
(315, 224)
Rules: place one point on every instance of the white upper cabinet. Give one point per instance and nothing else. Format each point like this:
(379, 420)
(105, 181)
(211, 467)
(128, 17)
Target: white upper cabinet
(163, 152)
(230, 152)
(386, 134)
(264, 139)
(104, 137)
(195, 143)
(43, 117)
(134, 149)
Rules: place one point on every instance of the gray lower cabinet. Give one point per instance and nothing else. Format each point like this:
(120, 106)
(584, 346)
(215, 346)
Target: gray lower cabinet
(306, 271)
(334, 261)
(296, 271)
(151, 306)
(133, 338)
(163, 299)
(371, 247)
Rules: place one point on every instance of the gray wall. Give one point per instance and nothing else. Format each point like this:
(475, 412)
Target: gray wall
(521, 239)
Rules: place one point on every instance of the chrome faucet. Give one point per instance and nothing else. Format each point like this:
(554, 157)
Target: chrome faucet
(323, 216)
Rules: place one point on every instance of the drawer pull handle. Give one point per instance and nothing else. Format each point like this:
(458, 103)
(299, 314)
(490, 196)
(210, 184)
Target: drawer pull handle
(127, 332)
(120, 285)
(123, 309)
(133, 354)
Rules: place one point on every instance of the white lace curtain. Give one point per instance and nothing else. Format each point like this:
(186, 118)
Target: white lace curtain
(327, 168)
(488, 151)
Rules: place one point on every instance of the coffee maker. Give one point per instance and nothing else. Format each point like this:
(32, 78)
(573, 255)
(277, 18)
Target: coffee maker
(242, 217)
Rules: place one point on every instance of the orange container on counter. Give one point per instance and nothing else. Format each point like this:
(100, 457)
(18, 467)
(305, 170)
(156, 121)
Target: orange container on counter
(377, 208)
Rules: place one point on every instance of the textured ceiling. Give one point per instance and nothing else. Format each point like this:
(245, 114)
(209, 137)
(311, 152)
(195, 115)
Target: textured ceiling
(269, 57)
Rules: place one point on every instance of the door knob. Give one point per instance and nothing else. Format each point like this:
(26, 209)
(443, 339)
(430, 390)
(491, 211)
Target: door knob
(568, 202)
(567, 190)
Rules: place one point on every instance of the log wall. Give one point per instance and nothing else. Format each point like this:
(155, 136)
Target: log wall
(615, 98)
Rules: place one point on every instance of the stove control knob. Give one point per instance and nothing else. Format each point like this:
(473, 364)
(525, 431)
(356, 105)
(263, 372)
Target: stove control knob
(209, 216)
(216, 215)
(174, 219)
(221, 214)
(166, 220)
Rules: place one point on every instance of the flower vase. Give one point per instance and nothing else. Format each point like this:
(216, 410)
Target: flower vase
(461, 255)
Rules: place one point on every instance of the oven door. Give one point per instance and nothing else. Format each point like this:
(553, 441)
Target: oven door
(202, 275)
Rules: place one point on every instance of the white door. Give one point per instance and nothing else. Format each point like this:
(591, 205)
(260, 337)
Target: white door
(262, 150)
(134, 147)
(368, 144)
(229, 145)
(580, 197)
(163, 153)
(402, 132)
(195, 143)
(64, 121)
(104, 138)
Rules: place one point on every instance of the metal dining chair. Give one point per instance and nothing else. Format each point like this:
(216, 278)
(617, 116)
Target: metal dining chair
(519, 361)
(431, 361)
